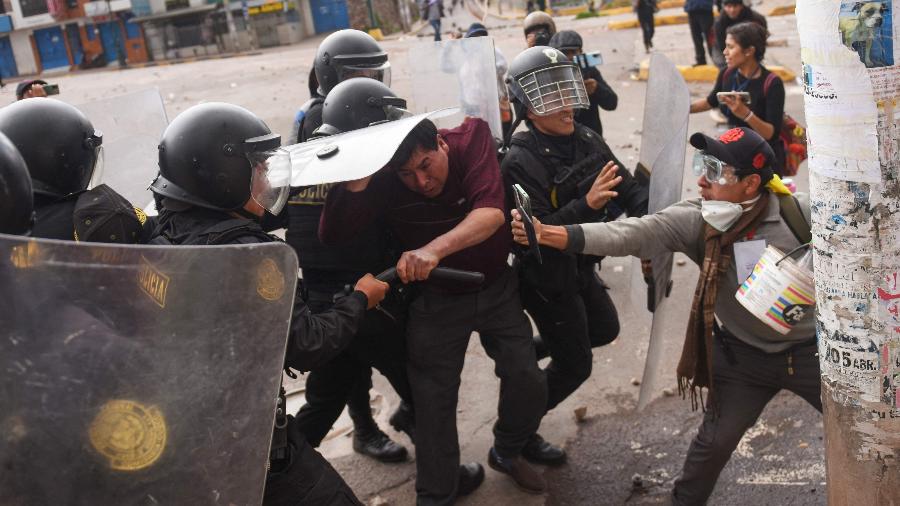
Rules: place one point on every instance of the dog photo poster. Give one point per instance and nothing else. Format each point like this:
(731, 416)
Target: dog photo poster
(867, 29)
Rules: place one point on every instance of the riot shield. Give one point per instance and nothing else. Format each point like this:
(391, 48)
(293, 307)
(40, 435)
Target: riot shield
(457, 73)
(132, 125)
(666, 109)
(139, 374)
(352, 155)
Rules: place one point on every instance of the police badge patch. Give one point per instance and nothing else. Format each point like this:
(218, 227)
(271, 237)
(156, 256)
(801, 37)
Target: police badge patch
(130, 435)
(269, 280)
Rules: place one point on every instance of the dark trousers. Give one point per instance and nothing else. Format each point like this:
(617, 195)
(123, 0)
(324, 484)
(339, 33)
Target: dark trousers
(347, 378)
(744, 380)
(440, 325)
(645, 18)
(570, 326)
(307, 478)
(701, 23)
(436, 24)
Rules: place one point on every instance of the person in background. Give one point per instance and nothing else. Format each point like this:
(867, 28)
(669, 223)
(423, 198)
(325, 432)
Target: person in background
(732, 13)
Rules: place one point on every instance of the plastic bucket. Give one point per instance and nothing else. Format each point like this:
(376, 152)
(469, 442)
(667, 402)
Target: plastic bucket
(780, 294)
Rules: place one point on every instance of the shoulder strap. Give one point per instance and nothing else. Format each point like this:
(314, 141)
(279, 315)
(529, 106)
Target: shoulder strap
(770, 78)
(793, 218)
(729, 72)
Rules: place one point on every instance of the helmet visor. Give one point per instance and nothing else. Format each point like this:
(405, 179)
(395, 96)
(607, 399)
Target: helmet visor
(714, 170)
(551, 89)
(378, 71)
(271, 181)
(94, 142)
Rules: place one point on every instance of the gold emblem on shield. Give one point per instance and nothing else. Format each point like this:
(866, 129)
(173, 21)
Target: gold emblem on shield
(269, 280)
(132, 436)
(25, 256)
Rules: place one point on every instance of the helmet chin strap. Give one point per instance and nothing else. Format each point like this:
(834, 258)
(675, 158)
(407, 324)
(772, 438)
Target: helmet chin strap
(243, 213)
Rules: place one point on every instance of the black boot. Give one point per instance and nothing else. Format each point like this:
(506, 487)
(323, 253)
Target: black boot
(404, 420)
(538, 451)
(368, 439)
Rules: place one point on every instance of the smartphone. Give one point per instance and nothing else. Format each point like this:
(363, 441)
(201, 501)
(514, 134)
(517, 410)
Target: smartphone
(586, 60)
(51, 89)
(743, 95)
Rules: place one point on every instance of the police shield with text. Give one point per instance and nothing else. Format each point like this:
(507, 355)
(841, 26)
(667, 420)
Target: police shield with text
(352, 104)
(221, 170)
(569, 173)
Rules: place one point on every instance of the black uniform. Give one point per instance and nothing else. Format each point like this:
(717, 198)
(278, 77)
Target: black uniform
(53, 217)
(304, 477)
(564, 295)
(603, 97)
(346, 380)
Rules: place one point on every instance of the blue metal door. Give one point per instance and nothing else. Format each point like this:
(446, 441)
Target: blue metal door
(7, 60)
(75, 43)
(51, 47)
(330, 15)
(109, 37)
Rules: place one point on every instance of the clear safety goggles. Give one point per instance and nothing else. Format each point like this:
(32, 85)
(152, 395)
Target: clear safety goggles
(95, 142)
(551, 89)
(271, 181)
(714, 170)
(380, 71)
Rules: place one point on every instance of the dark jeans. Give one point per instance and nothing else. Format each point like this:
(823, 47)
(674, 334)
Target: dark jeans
(436, 24)
(744, 380)
(308, 479)
(440, 325)
(701, 23)
(570, 325)
(645, 18)
(348, 377)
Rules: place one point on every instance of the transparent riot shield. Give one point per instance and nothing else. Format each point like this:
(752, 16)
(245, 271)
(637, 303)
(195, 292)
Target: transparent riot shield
(352, 155)
(663, 143)
(132, 125)
(457, 73)
(139, 374)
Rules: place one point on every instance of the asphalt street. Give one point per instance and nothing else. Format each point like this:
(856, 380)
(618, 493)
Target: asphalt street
(781, 459)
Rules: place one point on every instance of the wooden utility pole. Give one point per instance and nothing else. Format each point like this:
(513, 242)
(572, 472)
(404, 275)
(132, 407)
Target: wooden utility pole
(851, 92)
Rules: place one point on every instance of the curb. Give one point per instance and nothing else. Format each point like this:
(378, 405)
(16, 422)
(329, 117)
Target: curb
(671, 19)
(784, 10)
(163, 63)
(708, 73)
(665, 4)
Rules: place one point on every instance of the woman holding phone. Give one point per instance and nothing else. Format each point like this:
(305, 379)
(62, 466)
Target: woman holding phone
(745, 91)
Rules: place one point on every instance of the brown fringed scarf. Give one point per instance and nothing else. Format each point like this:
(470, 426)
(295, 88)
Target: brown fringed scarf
(695, 366)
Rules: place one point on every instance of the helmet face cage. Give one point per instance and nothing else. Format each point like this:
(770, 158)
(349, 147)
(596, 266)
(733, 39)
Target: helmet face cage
(550, 89)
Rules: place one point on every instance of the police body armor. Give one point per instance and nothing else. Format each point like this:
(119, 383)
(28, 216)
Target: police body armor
(140, 375)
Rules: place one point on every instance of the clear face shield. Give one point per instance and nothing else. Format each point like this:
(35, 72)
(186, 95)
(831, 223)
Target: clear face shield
(551, 89)
(714, 170)
(353, 66)
(95, 142)
(271, 181)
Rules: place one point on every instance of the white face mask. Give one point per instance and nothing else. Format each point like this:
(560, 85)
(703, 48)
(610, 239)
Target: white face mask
(721, 215)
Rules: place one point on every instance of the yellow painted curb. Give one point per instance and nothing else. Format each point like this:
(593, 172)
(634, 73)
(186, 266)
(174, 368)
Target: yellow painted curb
(376, 34)
(708, 73)
(784, 10)
(666, 4)
(572, 11)
(673, 19)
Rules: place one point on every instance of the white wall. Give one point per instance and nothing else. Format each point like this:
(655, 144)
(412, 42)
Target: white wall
(21, 46)
(31, 21)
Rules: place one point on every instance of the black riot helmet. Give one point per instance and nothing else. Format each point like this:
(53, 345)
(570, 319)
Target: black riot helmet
(543, 80)
(58, 143)
(16, 199)
(358, 103)
(219, 156)
(350, 53)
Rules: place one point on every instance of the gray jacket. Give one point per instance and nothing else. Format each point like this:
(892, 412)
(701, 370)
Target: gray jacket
(680, 227)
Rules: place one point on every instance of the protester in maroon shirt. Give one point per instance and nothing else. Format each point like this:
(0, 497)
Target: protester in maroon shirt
(442, 197)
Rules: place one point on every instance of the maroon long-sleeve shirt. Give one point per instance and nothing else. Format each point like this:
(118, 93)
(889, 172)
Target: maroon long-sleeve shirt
(473, 182)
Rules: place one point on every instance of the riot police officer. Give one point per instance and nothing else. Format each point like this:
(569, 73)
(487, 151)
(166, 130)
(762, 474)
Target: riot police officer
(221, 169)
(16, 200)
(62, 151)
(558, 163)
(342, 55)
